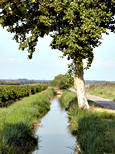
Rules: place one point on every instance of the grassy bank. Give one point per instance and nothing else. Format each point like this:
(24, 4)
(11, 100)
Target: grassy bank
(94, 130)
(105, 91)
(17, 123)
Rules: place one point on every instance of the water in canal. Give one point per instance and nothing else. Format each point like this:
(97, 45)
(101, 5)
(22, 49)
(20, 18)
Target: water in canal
(53, 132)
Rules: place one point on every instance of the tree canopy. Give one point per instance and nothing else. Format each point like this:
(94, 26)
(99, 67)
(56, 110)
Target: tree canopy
(76, 26)
(61, 81)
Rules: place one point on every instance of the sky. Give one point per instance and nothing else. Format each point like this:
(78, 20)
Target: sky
(46, 63)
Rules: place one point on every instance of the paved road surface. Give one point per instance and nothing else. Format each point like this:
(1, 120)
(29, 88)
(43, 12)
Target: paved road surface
(102, 101)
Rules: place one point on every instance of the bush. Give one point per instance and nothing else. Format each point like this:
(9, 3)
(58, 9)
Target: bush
(9, 94)
(61, 81)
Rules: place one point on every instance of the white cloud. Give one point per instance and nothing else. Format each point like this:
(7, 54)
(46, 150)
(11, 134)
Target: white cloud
(1, 60)
(9, 59)
(96, 63)
(107, 63)
(12, 59)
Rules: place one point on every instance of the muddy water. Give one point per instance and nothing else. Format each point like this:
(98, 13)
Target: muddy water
(53, 132)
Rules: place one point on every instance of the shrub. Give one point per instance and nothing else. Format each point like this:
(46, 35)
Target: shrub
(61, 81)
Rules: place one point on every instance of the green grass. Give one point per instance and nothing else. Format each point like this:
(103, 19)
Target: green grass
(66, 97)
(17, 133)
(95, 131)
(105, 91)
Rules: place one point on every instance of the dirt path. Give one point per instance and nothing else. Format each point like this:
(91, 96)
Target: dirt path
(102, 101)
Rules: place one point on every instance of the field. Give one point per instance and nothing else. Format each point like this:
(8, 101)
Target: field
(18, 123)
(94, 130)
(10, 94)
(105, 91)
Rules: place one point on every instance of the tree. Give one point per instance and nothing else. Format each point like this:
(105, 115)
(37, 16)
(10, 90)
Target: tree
(61, 81)
(76, 27)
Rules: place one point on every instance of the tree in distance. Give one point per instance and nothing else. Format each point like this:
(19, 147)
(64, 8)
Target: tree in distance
(61, 81)
(76, 27)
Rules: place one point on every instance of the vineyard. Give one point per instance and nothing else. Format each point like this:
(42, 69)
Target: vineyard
(10, 94)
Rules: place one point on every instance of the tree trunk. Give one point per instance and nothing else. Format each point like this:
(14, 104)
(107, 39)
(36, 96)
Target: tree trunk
(80, 89)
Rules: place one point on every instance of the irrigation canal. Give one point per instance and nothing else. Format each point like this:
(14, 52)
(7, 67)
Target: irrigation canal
(53, 132)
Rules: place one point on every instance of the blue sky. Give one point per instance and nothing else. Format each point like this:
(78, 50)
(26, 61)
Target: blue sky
(46, 63)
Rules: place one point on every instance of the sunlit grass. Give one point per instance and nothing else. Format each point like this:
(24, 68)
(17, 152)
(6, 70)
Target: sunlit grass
(17, 121)
(105, 91)
(67, 96)
(94, 130)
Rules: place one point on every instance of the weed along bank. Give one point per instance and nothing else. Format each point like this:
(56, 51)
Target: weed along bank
(47, 124)
(36, 124)
(94, 128)
(18, 121)
(53, 132)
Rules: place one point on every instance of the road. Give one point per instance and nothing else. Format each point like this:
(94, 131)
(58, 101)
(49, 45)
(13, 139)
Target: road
(102, 101)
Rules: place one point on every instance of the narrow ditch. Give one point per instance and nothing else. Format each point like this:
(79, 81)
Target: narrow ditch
(53, 132)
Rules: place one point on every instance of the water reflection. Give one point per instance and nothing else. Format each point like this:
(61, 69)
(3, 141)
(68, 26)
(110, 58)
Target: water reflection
(53, 133)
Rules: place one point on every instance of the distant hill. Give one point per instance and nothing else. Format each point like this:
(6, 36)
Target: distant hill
(23, 81)
(27, 81)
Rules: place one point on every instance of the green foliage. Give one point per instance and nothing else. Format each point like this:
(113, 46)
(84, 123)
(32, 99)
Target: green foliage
(76, 26)
(61, 81)
(17, 123)
(94, 130)
(67, 97)
(9, 94)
